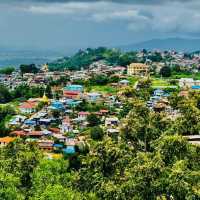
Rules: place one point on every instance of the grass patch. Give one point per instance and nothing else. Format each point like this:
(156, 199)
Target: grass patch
(162, 83)
(104, 89)
(186, 75)
(132, 80)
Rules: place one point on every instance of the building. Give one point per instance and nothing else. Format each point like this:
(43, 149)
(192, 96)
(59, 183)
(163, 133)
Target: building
(28, 107)
(94, 96)
(188, 82)
(73, 91)
(74, 88)
(112, 121)
(137, 69)
(5, 141)
(193, 139)
(45, 144)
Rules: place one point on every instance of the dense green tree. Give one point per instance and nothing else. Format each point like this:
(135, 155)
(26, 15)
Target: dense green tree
(142, 126)
(20, 159)
(93, 120)
(48, 92)
(5, 95)
(9, 187)
(165, 71)
(7, 70)
(188, 123)
(28, 69)
(96, 133)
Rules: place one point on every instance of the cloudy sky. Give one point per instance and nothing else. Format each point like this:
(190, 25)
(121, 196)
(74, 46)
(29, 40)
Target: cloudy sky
(58, 24)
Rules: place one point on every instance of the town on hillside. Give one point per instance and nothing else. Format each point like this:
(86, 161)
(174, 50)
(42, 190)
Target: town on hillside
(88, 106)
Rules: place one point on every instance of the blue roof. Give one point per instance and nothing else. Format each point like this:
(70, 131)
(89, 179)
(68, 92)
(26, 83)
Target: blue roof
(30, 122)
(58, 145)
(69, 150)
(74, 88)
(57, 105)
(196, 87)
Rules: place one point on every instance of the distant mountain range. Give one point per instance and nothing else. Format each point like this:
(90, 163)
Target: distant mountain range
(178, 44)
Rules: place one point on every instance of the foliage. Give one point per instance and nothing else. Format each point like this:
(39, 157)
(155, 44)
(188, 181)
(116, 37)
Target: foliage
(93, 120)
(165, 71)
(7, 70)
(96, 133)
(5, 94)
(83, 59)
(28, 69)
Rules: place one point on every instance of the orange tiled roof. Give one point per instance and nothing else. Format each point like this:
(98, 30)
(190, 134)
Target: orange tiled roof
(7, 139)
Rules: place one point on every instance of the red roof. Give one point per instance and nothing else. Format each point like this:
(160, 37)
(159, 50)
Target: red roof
(28, 105)
(18, 133)
(54, 130)
(71, 92)
(83, 113)
(104, 111)
(35, 133)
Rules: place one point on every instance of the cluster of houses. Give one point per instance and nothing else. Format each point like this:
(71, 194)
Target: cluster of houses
(159, 101)
(56, 125)
(61, 132)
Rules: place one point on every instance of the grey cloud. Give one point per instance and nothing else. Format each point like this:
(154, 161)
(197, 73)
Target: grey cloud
(93, 1)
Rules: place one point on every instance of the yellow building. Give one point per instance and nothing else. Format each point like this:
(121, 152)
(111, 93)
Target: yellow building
(137, 69)
(45, 68)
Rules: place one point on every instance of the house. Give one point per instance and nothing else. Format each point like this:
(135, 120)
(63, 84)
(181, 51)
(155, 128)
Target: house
(71, 94)
(28, 107)
(75, 88)
(137, 69)
(5, 141)
(34, 134)
(113, 121)
(158, 92)
(119, 69)
(18, 133)
(66, 125)
(17, 120)
(70, 142)
(93, 96)
(193, 139)
(189, 82)
(83, 115)
(30, 122)
(104, 112)
(55, 130)
(60, 137)
(112, 132)
(124, 82)
(72, 91)
(69, 150)
(195, 87)
(45, 144)
(57, 105)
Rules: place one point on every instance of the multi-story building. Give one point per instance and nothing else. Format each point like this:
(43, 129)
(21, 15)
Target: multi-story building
(137, 69)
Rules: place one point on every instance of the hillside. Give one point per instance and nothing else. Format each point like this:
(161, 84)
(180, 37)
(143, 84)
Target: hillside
(83, 58)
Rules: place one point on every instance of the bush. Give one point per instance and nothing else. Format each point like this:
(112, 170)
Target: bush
(96, 133)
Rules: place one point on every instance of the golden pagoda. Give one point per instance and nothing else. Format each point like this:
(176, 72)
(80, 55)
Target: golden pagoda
(45, 68)
(45, 99)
